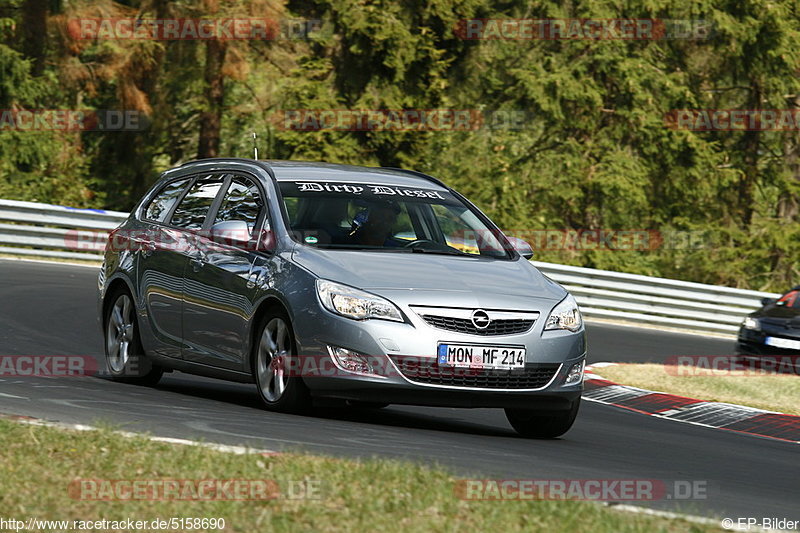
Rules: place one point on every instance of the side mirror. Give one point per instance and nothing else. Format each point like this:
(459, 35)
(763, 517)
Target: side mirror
(521, 246)
(231, 232)
(767, 301)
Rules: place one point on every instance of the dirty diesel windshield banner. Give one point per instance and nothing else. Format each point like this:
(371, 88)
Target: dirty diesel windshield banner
(367, 191)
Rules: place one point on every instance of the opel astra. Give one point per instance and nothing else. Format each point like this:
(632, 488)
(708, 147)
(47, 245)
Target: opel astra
(317, 281)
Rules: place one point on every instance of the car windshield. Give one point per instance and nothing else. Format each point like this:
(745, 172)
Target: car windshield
(390, 218)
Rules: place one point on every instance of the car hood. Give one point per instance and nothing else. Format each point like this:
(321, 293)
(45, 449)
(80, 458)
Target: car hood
(777, 315)
(778, 311)
(378, 271)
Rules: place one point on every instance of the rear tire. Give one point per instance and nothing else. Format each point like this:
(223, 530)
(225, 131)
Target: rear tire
(533, 425)
(273, 352)
(125, 357)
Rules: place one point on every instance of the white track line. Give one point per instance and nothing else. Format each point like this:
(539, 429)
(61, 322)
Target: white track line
(95, 265)
(225, 448)
(678, 516)
(242, 450)
(4, 395)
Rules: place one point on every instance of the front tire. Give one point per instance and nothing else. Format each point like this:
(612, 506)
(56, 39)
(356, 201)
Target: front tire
(274, 353)
(533, 425)
(125, 358)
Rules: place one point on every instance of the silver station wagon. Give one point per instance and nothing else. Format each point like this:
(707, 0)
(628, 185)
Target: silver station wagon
(317, 281)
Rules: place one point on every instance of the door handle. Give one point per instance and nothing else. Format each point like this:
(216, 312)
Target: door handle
(198, 261)
(144, 247)
(148, 248)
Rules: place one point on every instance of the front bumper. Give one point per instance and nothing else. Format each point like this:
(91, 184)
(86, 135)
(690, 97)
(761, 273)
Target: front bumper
(554, 397)
(751, 342)
(539, 402)
(387, 342)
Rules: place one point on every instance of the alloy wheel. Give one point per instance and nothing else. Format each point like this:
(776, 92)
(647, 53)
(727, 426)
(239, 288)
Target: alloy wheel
(273, 354)
(119, 334)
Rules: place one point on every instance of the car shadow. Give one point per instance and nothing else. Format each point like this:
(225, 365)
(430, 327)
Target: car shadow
(245, 395)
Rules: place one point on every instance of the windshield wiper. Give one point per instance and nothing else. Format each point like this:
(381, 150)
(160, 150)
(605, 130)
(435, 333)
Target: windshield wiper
(441, 252)
(357, 248)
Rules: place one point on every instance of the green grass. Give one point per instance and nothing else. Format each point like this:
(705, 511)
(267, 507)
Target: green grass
(38, 463)
(773, 392)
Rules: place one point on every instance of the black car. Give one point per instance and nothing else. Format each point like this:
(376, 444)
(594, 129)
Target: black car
(774, 329)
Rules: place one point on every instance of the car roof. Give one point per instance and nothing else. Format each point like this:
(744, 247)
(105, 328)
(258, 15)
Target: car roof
(317, 171)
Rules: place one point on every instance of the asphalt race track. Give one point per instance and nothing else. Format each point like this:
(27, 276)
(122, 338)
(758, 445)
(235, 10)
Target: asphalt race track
(49, 309)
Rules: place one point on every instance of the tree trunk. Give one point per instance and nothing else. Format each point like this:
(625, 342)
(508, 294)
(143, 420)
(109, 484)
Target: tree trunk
(788, 203)
(33, 33)
(211, 117)
(752, 141)
(137, 147)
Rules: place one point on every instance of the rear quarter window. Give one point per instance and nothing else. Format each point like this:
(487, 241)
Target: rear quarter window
(191, 212)
(160, 206)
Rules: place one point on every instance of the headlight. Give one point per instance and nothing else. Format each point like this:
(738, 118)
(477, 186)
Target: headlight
(355, 303)
(751, 323)
(565, 315)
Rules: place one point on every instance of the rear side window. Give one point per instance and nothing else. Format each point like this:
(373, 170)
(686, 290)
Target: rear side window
(242, 202)
(191, 212)
(161, 205)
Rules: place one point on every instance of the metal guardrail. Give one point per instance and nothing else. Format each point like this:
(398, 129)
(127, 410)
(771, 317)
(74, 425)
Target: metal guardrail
(67, 233)
(55, 231)
(659, 301)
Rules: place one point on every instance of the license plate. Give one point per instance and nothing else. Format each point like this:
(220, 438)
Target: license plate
(782, 343)
(477, 356)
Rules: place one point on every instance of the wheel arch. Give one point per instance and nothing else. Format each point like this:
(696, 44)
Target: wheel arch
(114, 285)
(269, 303)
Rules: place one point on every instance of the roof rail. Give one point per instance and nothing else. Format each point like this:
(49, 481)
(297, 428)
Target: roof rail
(420, 175)
(211, 159)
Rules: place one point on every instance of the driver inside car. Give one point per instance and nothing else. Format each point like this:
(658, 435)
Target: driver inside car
(373, 226)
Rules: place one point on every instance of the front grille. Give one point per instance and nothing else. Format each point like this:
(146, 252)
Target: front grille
(428, 371)
(465, 325)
